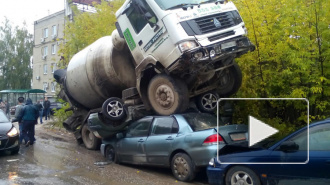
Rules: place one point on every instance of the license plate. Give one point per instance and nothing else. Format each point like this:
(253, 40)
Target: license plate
(228, 45)
(238, 136)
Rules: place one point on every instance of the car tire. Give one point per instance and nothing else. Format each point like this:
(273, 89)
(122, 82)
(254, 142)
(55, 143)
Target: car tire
(182, 167)
(243, 174)
(110, 154)
(166, 95)
(230, 80)
(114, 109)
(207, 102)
(91, 142)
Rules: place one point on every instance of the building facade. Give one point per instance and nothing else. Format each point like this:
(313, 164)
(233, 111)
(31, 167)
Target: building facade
(48, 35)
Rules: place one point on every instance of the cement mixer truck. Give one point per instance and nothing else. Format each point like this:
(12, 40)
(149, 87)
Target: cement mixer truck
(163, 55)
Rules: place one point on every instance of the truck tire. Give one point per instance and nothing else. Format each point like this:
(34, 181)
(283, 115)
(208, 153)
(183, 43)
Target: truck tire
(230, 80)
(166, 95)
(91, 142)
(114, 109)
(207, 102)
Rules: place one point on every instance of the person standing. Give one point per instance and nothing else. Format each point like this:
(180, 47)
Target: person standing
(46, 108)
(7, 109)
(18, 110)
(40, 108)
(29, 117)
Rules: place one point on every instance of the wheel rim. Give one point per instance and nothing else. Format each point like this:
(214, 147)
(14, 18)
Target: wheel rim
(241, 178)
(209, 101)
(165, 96)
(115, 109)
(181, 167)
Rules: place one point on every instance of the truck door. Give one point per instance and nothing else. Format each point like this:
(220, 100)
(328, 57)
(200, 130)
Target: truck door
(141, 29)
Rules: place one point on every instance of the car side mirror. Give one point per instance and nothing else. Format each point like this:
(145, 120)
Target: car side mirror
(289, 146)
(119, 135)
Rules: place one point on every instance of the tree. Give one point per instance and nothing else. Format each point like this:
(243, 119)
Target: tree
(16, 47)
(88, 27)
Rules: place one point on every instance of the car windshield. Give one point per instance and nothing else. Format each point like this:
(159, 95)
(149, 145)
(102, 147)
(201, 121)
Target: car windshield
(200, 121)
(3, 117)
(172, 4)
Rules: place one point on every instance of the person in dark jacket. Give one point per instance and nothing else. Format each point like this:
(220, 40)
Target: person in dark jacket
(28, 116)
(46, 108)
(40, 108)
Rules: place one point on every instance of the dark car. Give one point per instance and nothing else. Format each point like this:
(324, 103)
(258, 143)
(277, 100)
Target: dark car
(292, 149)
(8, 135)
(183, 142)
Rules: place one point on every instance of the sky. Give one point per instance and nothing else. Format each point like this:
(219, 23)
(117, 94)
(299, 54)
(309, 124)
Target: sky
(18, 11)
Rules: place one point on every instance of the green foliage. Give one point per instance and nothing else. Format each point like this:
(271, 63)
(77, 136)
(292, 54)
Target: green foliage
(61, 115)
(88, 27)
(16, 46)
(291, 59)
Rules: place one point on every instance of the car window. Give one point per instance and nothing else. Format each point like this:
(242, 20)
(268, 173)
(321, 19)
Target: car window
(139, 128)
(319, 138)
(200, 121)
(164, 125)
(3, 118)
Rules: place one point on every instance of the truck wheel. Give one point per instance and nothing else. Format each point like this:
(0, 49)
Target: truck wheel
(113, 109)
(166, 96)
(230, 80)
(182, 167)
(90, 140)
(207, 102)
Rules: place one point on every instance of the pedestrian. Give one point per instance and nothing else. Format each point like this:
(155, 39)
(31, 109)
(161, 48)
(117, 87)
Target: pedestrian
(18, 110)
(40, 109)
(46, 105)
(29, 117)
(7, 109)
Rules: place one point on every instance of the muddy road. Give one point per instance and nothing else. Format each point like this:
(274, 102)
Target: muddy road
(56, 159)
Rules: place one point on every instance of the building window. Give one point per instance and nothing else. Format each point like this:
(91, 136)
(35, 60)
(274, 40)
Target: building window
(45, 51)
(45, 32)
(45, 86)
(54, 30)
(53, 86)
(45, 68)
(53, 67)
(53, 49)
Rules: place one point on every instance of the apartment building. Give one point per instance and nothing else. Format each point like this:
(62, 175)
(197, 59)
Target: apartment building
(48, 35)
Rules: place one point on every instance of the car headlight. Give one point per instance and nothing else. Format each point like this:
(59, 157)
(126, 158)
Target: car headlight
(212, 163)
(187, 45)
(13, 132)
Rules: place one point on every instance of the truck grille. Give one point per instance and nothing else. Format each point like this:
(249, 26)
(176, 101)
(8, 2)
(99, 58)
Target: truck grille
(211, 23)
(207, 25)
(220, 36)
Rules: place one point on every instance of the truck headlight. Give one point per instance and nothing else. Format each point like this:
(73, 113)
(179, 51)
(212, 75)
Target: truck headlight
(187, 45)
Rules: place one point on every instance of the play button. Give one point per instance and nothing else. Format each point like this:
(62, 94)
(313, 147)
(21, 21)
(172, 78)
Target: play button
(259, 131)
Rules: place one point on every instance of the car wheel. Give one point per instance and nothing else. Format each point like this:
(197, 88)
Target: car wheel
(166, 95)
(182, 167)
(207, 102)
(113, 109)
(110, 154)
(241, 175)
(230, 80)
(90, 140)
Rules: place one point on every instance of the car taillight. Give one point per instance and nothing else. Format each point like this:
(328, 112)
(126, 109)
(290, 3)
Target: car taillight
(213, 139)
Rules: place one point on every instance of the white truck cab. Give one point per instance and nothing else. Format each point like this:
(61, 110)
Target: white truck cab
(191, 41)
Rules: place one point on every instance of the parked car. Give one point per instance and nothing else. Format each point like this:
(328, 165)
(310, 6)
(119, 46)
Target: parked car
(183, 142)
(8, 135)
(54, 106)
(291, 149)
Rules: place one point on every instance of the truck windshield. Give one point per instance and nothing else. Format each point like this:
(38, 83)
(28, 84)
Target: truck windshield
(172, 4)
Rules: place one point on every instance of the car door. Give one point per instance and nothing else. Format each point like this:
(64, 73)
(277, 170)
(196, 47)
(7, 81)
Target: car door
(317, 169)
(131, 148)
(159, 143)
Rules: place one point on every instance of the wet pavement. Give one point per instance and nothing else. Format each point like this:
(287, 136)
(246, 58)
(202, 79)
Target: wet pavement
(56, 158)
